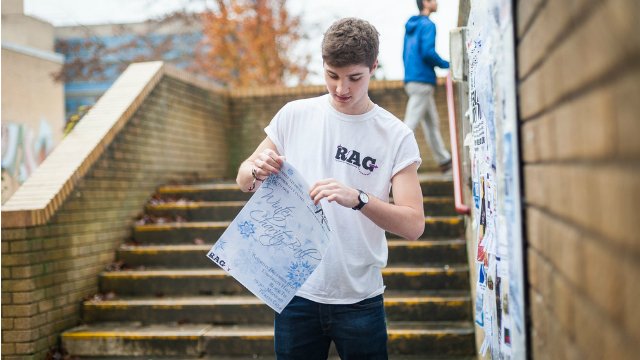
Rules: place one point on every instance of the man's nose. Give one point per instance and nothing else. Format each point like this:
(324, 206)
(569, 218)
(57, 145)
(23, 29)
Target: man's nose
(342, 87)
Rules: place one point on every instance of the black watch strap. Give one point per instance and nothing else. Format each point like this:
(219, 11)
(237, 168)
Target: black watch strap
(363, 199)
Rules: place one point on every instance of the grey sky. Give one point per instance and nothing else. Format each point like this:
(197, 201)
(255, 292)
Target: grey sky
(387, 16)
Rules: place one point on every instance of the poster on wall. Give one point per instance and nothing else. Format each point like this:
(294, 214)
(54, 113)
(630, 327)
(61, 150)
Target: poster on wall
(495, 180)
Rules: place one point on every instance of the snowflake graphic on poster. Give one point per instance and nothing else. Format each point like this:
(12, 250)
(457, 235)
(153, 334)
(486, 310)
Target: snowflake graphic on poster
(271, 181)
(298, 273)
(220, 245)
(246, 229)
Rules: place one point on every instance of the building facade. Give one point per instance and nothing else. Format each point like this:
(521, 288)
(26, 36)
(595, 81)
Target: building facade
(32, 101)
(105, 50)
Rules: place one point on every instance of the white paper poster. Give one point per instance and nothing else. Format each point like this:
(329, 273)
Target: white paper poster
(276, 241)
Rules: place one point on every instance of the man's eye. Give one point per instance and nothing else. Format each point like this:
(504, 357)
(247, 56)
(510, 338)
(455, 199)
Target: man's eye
(356, 79)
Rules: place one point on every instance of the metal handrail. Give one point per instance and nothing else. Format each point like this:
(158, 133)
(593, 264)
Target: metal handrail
(461, 208)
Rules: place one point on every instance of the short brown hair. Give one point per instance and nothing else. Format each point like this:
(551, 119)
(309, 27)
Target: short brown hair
(350, 41)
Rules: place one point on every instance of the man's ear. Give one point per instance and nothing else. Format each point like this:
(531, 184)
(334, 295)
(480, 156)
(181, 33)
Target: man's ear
(374, 67)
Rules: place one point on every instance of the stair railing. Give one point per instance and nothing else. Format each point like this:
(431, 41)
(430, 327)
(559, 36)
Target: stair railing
(461, 208)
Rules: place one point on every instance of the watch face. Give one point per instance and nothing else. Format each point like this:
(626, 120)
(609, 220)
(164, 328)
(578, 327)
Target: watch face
(363, 198)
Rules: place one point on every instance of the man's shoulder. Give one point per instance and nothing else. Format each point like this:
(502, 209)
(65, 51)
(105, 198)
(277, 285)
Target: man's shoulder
(391, 121)
(426, 23)
(423, 21)
(386, 114)
(300, 108)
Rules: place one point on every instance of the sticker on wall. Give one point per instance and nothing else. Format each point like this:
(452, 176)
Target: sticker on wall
(479, 313)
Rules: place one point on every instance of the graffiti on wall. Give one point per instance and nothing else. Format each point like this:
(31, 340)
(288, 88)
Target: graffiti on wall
(23, 149)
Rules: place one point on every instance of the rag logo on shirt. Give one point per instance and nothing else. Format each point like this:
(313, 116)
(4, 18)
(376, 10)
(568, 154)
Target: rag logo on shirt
(365, 165)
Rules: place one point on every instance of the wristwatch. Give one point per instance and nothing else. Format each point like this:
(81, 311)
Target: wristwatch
(363, 198)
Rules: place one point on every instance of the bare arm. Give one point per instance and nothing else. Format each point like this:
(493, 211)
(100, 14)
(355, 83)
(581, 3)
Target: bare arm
(404, 217)
(265, 161)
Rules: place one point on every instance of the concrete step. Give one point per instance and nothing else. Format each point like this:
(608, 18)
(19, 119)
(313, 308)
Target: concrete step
(214, 281)
(437, 188)
(248, 309)
(210, 231)
(228, 210)
(428, 252)
(204, 340)
(196, 210)
(436, 184)
(203, 192)
(193, 256)
(431, 184)
(439, 206)
(441, 226)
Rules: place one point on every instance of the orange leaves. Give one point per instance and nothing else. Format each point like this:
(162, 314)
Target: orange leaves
(251, 42)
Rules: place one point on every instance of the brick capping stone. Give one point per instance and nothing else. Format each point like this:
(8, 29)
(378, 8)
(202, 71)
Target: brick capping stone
(192, 79)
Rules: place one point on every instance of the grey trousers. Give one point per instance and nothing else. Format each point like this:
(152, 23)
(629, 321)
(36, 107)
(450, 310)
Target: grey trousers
(421, 108)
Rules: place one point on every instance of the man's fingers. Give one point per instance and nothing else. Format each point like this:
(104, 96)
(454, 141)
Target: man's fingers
(267, 164)
(321, 183)
(320, 186)
(319, 196)
(277, 159)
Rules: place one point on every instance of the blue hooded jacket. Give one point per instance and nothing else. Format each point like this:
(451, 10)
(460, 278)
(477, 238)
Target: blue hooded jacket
(419, 54)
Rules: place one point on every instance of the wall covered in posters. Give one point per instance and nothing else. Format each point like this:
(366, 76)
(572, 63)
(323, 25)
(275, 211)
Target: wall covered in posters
(493, 150)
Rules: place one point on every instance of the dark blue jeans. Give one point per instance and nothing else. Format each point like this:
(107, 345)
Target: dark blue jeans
(304, 330)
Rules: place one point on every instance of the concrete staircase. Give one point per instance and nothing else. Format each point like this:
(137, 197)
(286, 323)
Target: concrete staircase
(165, 299)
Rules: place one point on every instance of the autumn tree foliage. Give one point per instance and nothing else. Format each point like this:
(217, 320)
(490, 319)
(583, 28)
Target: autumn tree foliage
(252, 42)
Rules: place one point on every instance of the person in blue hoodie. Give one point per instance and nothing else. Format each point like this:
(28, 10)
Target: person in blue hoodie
(420, 58)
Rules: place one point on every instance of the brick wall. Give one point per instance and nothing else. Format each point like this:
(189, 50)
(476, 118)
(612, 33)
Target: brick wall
(253, 109)
(47, 270)
(579, 92)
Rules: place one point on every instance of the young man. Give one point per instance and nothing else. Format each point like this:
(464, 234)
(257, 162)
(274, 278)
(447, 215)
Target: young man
(420, 58)
(353, 152)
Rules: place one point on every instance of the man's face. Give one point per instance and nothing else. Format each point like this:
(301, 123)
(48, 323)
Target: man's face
(348, 87)
(432, 5)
